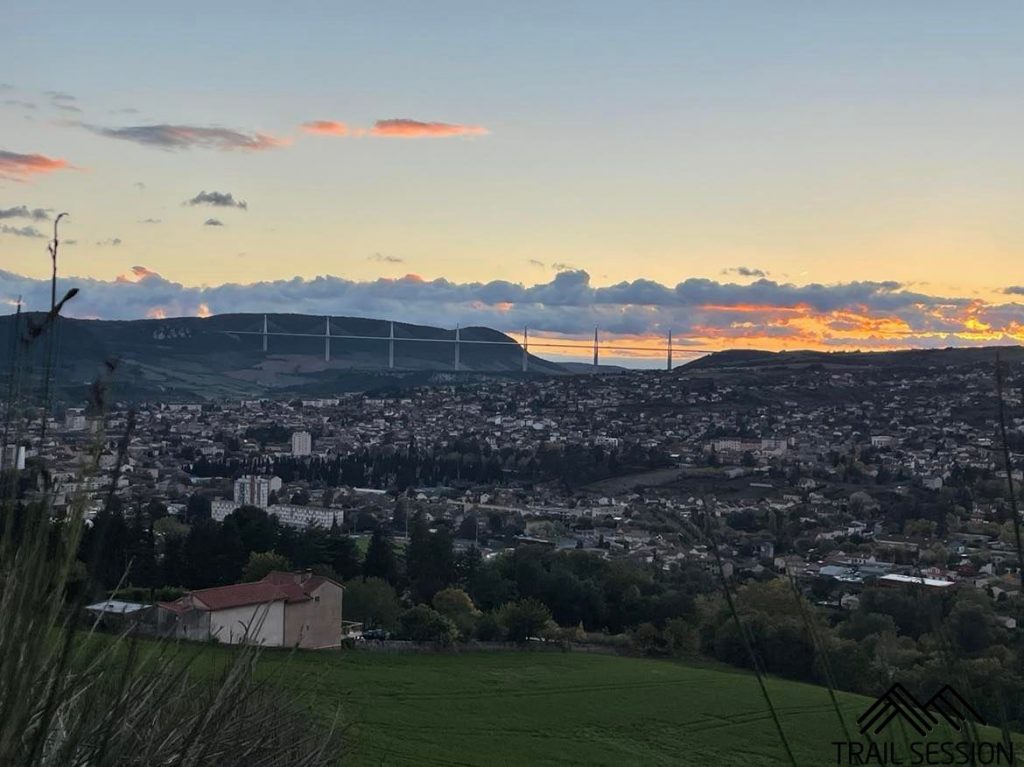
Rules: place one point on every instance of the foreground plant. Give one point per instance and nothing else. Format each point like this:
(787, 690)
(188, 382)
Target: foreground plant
(71, 696)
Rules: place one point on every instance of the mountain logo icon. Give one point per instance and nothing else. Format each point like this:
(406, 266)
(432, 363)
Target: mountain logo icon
(897, 701)
(951, 706)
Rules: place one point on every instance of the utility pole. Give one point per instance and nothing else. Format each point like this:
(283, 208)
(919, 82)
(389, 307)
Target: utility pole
(596, 358)
(526, 349)
(327, 340)
(264, 333)
(669, 367)
(457, 337)
(391, 345)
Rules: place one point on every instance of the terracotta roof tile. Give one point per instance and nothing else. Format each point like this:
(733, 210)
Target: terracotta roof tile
(242, 594)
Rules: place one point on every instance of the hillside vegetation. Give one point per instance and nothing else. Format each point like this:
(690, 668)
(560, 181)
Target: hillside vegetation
(532, 708)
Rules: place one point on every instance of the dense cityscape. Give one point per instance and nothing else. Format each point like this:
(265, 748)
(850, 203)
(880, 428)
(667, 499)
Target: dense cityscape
(811, 471)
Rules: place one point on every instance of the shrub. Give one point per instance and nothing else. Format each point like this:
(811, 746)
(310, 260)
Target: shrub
(523, 619)
(424, 624)
(456, 605)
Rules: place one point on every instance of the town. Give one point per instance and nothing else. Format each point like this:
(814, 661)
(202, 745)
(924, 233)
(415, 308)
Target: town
(832, 475)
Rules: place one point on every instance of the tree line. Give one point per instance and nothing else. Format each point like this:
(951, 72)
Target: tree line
(426, 588)
(467, 460)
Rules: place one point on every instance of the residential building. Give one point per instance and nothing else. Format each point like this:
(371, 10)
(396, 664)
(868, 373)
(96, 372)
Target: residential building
(282, 610)
(251, 490)
(302, 443)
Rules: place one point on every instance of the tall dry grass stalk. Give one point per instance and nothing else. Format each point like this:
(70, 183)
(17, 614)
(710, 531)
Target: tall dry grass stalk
(1008, 464)
(709, 536)
(821, 650)
(70, 696)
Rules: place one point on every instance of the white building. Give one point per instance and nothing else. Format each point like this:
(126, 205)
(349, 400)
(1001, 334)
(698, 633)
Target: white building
(220, 508)
(252, 491)
(286, 513)
(282, 610)
(74, 419)
(304, 516)
(302, 443)
(13, 457)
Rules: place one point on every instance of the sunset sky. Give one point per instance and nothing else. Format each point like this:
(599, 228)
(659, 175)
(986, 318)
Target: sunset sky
(770, 175)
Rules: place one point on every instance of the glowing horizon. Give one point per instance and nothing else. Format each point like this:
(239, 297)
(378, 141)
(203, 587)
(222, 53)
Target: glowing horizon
(743, 181)
(702, 315)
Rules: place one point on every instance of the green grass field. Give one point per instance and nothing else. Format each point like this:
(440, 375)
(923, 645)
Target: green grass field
(534, 708)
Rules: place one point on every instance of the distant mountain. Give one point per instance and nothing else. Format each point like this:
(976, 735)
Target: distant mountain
(915, 358)
(189, 357)
(585, 368)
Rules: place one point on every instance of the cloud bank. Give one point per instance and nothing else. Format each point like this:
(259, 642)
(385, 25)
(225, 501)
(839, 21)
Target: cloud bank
(701, 313)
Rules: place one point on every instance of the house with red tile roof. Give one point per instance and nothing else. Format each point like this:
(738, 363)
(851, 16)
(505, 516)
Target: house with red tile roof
(282, 610)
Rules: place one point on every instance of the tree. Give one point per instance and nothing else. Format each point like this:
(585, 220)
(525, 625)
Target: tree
(200, 550)
(231, 554)
(468, 528)
(430, 560)
(490, 588)
(198, 508)
(306, 548)
(423, 624)
(261, 563)
(155, 510)
(456, 605)
(417, 553)
(467, 564)
(105, 546)
(168, 526)
(863, 624)
(258, 528)
(172, 565)
(372, 601)
(343, 555)
(649, 640)
(142, 554)
(523, 619)
(380, 559)
(400, 516)
(970, 624)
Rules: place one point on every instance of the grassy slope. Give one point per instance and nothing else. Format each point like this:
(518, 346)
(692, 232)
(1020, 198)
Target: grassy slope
(551, 708)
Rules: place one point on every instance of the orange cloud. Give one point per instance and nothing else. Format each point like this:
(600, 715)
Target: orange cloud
(22, 166)
(138, 274)
(204, 311)
(755, 308)
(157, 313)
(326, 128)
(403, 128)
